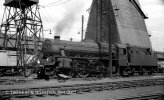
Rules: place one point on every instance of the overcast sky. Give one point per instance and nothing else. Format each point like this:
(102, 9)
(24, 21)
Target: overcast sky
(155, 23)
(67, 13)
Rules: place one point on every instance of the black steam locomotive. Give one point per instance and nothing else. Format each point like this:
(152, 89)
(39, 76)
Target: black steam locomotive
(83, 59)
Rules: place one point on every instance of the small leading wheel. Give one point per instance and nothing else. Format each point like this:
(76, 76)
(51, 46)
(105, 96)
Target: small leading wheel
(100, 68)
(83, 72)
(71, 73)
(52, 74)
(27, 72)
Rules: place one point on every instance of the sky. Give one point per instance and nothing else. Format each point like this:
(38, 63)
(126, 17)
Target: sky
(155, 22)
(67, 13)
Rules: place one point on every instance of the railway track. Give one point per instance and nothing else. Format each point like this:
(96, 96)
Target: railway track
(157, 96)
(13, 81)
(78, 88)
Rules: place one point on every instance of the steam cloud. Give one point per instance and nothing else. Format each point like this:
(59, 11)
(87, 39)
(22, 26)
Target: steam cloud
(66, 23)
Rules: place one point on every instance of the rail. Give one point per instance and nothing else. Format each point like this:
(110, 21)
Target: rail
(78, 88)
(157, 96)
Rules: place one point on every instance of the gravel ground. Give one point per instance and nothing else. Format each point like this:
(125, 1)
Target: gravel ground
(104, 95)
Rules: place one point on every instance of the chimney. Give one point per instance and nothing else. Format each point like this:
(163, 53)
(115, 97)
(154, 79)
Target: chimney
(56, 37)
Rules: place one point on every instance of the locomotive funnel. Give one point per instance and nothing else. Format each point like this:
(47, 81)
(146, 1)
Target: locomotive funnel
(57, 37)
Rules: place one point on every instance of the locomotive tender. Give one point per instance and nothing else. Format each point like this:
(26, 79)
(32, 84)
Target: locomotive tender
(90, 58)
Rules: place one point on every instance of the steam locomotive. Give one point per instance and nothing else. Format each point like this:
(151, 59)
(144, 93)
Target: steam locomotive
(88, 58)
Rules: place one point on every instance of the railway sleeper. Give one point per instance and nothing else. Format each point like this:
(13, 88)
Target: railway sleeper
(98, 88)
(22, 96)
(145, 97)
(83, 88)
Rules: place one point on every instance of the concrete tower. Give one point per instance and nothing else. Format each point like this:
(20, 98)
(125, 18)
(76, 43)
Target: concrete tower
(126, 24)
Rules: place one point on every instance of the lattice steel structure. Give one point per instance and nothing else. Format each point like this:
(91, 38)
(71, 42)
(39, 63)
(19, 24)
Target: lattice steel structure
(22, 22)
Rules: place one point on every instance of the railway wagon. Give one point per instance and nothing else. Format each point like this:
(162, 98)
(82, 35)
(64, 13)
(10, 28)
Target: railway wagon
(8, 62)
(91, 58)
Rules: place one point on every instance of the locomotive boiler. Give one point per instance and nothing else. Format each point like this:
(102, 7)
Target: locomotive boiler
(75, 49)
(88, 58)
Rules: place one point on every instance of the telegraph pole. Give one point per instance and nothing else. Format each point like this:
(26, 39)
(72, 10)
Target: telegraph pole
(101, 20)
(82, 28)
(110, 42)
(96, 3)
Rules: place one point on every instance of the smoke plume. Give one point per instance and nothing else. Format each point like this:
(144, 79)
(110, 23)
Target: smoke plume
(66, 23)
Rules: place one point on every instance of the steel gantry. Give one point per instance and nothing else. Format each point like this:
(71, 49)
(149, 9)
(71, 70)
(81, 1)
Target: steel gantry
(22, 30)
